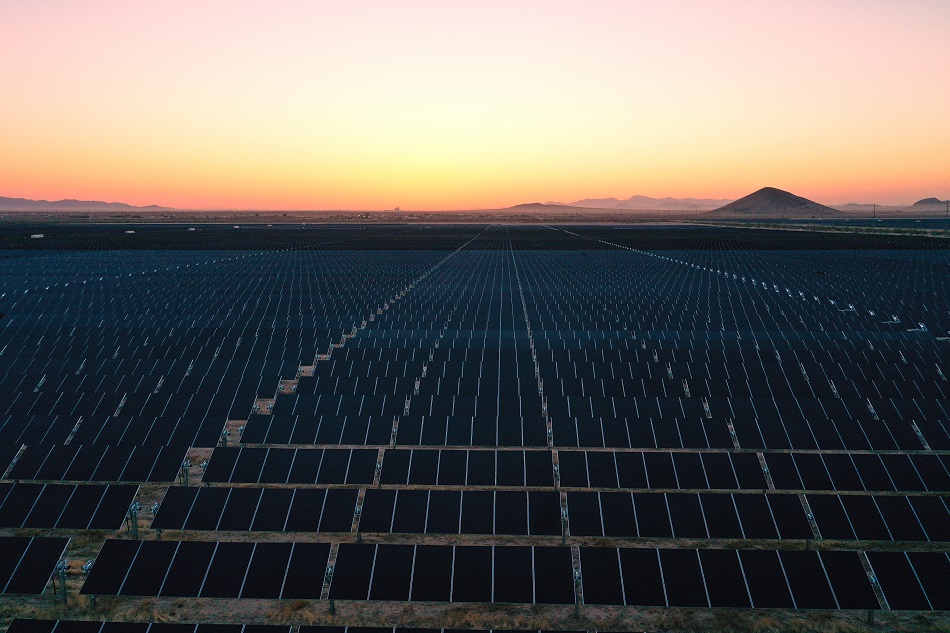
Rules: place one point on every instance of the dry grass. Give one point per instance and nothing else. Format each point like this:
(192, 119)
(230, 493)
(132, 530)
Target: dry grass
(462, 616)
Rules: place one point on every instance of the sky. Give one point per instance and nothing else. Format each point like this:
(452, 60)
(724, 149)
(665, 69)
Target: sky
(428, 104)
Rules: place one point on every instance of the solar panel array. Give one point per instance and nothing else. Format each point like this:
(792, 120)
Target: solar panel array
(626, 417)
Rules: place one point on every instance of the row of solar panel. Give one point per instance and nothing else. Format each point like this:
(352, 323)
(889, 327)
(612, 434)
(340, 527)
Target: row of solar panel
(508, 399)
(855, 415)
(590, 333)
(66, 506)
(687, 470)
(257, 509)
(26, 563)
(752, 431)
(165, 429)
(664, 337)
(185, 333)
(642, 358)
(813, 429)
(132, 375)
(883, 356)
(473, 378)
(169, 371)
(220, 337)
(296, 466)
(584, 469)
(64, 391)
(654, 377)
(99, 462)
(488, 404)
(540, 337)
(320, 510)
(155, 350)
(484, 467)
(611, 514)
(763, 376)
(770, 516)
(377, 430)
(361, 572)
(627, 393)
(603, 432)
(522, 574)
(796, 368)
(206, 569)
(143, 404)
(188, 331)
(726, 578)
(759, 423)
(787, 432)
(859, 471)
(882, 518)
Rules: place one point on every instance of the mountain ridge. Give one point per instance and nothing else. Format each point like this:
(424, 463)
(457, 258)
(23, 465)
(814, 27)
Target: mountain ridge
(69, 204)
(638, 202)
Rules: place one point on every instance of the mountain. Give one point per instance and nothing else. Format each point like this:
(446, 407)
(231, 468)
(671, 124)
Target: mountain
(773, 203)
(23, 204)
(646, 203)
(929, 202)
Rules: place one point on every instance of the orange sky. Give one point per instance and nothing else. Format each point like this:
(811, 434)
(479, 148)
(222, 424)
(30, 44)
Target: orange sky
(439, 105)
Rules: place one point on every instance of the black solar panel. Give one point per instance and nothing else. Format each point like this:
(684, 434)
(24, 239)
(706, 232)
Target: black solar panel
(26, 563)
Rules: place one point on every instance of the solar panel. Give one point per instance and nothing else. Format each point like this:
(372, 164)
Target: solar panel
(26, 563)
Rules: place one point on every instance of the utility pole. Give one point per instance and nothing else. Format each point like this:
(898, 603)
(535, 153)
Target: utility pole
(875, 211)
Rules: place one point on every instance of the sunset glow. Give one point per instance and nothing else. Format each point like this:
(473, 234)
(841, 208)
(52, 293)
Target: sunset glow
(452, 105)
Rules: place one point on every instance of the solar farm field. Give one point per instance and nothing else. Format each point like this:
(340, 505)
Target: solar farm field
(310, 429)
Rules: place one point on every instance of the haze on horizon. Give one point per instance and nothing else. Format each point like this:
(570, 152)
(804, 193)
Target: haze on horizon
(435, 105)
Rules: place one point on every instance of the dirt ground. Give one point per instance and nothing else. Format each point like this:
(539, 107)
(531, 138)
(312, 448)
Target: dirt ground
(477, 615)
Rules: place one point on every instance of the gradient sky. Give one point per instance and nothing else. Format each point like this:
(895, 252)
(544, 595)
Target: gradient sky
(441, 105)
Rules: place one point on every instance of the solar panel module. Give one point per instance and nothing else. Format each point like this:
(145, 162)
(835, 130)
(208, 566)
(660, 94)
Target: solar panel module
(401, 428)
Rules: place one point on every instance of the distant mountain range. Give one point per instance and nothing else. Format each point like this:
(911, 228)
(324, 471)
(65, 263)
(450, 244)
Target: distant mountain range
(23, 204)
(646, 203)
